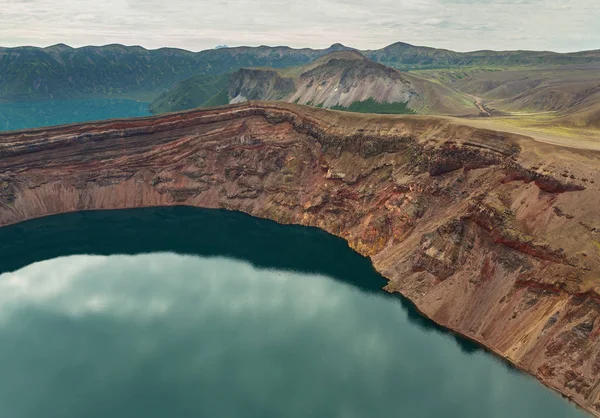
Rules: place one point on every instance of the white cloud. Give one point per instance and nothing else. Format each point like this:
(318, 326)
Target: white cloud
(195, 25)
(433, 21)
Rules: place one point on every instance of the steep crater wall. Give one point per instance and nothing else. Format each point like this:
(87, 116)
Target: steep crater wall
(489, 234)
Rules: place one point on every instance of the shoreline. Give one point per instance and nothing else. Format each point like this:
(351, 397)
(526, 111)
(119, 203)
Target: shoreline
(474, 227)
(450, 330)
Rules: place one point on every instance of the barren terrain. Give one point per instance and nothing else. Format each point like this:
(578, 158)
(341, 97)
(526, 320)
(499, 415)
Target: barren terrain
(491, 234)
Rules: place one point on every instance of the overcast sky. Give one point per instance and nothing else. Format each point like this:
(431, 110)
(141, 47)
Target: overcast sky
(462, 25)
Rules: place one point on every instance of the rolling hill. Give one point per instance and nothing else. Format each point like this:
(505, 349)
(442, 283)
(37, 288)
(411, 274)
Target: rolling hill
(59, 71)
(404, 56)
(566, 95)
(521, 89)
(344, 80)
(196, 91)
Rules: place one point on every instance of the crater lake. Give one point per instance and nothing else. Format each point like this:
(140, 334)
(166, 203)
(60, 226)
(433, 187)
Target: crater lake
(182, 312)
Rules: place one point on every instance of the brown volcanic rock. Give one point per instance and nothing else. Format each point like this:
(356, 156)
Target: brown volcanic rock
(490, 234)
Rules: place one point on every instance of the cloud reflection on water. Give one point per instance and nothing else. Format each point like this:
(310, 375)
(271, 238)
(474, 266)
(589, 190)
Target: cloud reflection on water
(162, 334)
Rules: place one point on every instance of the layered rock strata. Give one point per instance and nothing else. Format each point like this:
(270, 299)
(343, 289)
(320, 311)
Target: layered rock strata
(492, 235)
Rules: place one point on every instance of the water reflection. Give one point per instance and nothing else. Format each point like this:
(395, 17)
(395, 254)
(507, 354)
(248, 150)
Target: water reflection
(186, 230)
(162, 334)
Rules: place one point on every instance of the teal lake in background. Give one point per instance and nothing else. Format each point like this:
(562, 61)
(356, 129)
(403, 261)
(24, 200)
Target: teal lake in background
(26, 115)
(183, 312)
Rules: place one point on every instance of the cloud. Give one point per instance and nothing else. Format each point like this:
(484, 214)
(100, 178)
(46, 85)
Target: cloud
(433, 21)
(195, 25)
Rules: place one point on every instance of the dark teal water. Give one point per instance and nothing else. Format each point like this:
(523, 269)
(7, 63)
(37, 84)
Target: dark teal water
(25, 115)
(181, 312)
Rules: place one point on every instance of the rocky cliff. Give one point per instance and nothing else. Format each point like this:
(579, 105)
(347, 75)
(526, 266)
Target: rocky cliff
(343, 78)
(340, 80)
(258, 84)
(492, 235)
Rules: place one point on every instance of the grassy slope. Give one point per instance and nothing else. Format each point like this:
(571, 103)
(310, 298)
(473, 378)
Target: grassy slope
(409, 57)
(442, 99)
(546, 97)
(29, 73)
(543, 90)
(118, 71)
(219, 99)
(350, 67)
(192, 92)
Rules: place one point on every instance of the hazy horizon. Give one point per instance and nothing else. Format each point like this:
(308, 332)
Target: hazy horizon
(458, 25)
(221, 46)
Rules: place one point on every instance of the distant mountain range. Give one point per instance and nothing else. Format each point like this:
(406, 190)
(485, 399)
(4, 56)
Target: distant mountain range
(114, 70)
(408, 57)
(59, 71)
(343, 80)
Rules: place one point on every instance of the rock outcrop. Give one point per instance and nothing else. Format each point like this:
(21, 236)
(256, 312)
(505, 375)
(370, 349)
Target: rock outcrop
(492, 235)
(340, 80)
(258, 84)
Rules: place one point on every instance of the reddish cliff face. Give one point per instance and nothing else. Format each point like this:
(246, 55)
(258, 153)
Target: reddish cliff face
(489, 234)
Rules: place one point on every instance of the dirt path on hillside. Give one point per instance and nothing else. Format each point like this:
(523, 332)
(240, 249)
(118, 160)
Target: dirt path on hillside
(478, 101)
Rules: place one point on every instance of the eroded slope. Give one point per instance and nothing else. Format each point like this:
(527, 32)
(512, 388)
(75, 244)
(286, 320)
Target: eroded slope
(490, 234)
(337, 80)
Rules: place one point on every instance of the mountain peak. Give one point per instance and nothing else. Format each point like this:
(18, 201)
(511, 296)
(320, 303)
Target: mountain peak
(349, 54)
(337, 47)
(60, 46)
(397, 45)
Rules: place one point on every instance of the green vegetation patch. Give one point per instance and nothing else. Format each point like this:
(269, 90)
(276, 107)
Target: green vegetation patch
(219, 99)
(372, 106)
(197, 91)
